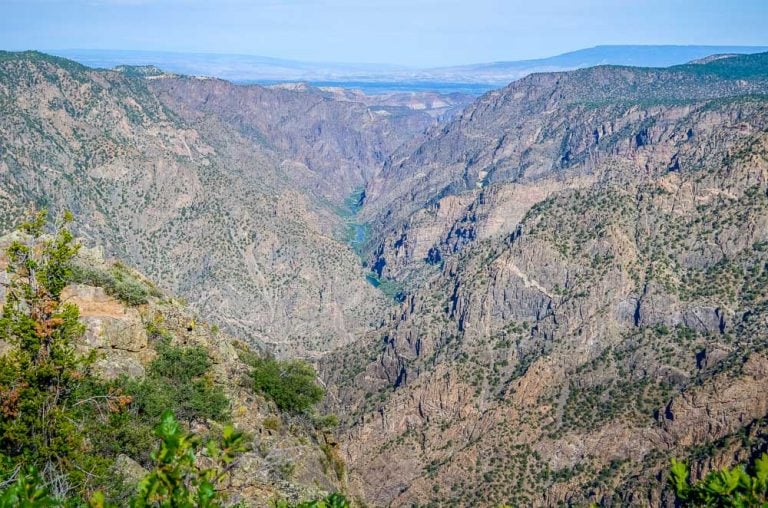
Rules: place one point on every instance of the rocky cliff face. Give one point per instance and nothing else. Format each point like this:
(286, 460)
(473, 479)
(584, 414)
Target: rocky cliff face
(562, 351)
(206, 204)
(545, 132)
(326, 146)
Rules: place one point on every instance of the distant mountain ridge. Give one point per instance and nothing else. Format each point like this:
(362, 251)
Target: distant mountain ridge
(631, 55)
(264, 69)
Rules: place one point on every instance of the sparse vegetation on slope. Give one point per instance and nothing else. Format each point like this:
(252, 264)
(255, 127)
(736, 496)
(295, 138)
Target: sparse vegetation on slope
(583, 277)
(291, 384)
(579, 263)
(78, 428)
(190, 197)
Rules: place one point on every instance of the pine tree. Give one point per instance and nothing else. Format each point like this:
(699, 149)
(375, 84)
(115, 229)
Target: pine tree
(41, 370)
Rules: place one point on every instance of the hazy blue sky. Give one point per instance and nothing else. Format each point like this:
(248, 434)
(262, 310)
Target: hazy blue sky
(411, 32)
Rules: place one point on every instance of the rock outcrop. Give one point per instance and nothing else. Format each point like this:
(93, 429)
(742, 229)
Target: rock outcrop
(586, 296)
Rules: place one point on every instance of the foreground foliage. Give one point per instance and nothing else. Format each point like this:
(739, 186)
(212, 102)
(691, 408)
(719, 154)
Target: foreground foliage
(41, 374)
(62, 426)
(176, 480)
(729, 487)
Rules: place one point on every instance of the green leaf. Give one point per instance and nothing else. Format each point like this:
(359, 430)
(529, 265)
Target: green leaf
(678, 475)
(761, 471)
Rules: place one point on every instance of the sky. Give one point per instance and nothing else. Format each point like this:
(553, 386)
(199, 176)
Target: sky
(418, 33)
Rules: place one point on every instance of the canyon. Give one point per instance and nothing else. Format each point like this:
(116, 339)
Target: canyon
(569, 271)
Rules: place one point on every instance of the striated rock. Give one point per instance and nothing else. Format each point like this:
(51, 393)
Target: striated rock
(115, 331)
(598, 305)
(721, 407)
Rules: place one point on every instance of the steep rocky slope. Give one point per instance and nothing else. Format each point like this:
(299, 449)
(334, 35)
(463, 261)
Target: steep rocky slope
(205, 201)
(587, 296)
(287, 457)
(327, 146)
(542, 133)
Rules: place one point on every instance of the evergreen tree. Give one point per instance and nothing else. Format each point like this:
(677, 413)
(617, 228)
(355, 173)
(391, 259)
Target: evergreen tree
(42, 370)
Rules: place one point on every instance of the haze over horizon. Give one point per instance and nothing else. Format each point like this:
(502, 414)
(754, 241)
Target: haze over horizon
(416, 33)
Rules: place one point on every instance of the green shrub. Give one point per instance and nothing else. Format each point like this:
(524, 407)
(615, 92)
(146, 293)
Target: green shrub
(290, 384)
(182, 364)
(175, 480)
(40, 374)
(271, 423)
(117, 281)
(728, 487)
(326, 422)
(179, 380)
